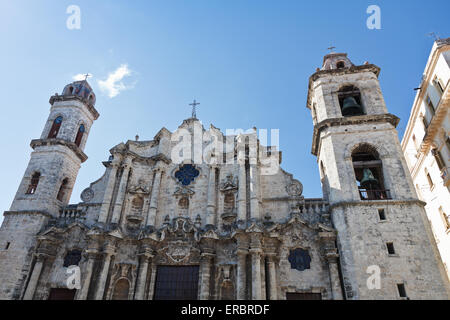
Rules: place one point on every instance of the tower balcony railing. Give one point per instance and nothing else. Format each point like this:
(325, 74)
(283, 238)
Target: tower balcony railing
(367, 195)
(72, 214)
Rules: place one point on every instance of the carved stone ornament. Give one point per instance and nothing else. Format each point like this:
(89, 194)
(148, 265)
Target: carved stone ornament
(295, 189)
(140, 187)
(183, 191)
(178, 251)
(229, 184)
(87, 195)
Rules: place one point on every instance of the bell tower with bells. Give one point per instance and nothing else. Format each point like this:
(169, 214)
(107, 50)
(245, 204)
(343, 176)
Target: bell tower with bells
(47, 184)
(386, 248)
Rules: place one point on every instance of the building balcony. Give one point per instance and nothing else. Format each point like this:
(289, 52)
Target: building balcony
(375, 194)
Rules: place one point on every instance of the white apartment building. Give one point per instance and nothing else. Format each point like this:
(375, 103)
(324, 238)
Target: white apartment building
(426, 145)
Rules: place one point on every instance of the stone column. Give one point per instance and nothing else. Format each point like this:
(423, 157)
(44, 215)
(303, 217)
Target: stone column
(241, 274)
(122, 191)
(142, 277)
(211, 207)
(83, 293)
(104, 210)
(242, 201)
(271, 269)
(256, 273)
(109, 252)
(334, 276)
(34, 279)
(206, 264)
(263, 277)
(151, 216)
(254, 192)
(151, 287)
(331, 254)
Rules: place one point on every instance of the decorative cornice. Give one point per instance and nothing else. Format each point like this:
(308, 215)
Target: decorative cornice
(31, 212)
(85, 101)
(52, 142)
(377, 202)
(376, 118)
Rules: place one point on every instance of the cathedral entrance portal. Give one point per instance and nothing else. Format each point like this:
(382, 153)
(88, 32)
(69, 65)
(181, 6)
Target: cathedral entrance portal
(176, 283)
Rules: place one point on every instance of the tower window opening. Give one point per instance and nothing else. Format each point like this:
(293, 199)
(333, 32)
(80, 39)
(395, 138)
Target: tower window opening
(33, 183)
(401, 290)
(382, 214)
(62, 190)
(55, 128)
(390, 248)
(340, 64)
(350, 101)
(69, 91)
(369, 173)
(80, 134)
(8, 244)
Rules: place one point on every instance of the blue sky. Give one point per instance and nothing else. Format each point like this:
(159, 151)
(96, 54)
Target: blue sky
(246, 61)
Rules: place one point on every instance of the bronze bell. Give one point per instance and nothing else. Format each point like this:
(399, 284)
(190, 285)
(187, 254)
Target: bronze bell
(368, 181)
(351, 107)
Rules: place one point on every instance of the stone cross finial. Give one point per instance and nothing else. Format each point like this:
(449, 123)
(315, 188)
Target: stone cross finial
(194, 105)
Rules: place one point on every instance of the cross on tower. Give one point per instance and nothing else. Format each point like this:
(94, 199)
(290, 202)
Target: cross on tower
(86, 76)
(194, 105)
(331, 49)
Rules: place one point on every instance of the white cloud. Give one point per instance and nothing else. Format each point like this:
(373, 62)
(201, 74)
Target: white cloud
(113, 85)
(80, 76)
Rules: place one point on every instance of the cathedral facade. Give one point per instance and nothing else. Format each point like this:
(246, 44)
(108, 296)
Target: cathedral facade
(167, 221)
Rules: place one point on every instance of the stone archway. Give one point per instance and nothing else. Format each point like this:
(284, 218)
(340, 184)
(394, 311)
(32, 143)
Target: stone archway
(121, 290)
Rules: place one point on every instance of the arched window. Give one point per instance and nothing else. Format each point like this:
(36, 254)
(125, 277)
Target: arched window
(340, 64)
(33, 183)
(350, 101)
(62, 190)
(72, 258)
(55, 128)
(121, 290)
(136, 205)
(80, 134)
(369, 173)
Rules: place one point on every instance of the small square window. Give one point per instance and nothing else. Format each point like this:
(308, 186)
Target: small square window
(390, 247)
(382, 214)
(401, 290)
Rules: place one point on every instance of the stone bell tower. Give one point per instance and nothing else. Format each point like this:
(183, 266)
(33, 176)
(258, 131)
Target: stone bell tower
(380, 221)
(47, 184)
